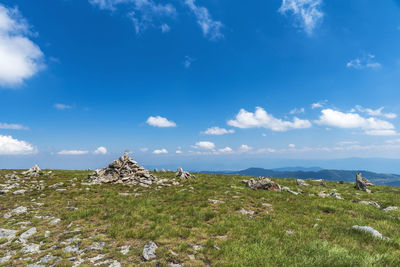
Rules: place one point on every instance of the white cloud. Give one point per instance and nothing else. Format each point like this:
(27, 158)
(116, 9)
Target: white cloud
(73, 152)
(264, 134)
(374, 112)
(12, 126)
(60, 106)
(159, 121)
(261, 119)
(218, 131)
(371, 126)
(160, 151)
(143, 13)
(364, 62)
(211, 28)
(393, 141)
(178, 152)
(266, 150)
(165, 28)
(319, 104)
(307, 13)
(20, 58)
(204, 145)
(144, 149)
(292, 146)
(297, 111)
(100, 150)
(11, 146)
(226, 150)
(244, 148)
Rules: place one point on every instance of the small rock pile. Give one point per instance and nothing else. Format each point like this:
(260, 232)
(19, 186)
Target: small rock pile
(181, 174)
(123, 170)
(263, 183)
(34, 171)
(362, 183)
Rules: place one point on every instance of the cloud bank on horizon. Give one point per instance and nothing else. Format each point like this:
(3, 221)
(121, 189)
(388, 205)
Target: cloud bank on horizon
(176, 79)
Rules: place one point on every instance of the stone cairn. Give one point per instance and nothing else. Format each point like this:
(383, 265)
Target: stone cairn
(123, 170)
(362, 183)
(34, 171)
(263, 183)
(181, 174)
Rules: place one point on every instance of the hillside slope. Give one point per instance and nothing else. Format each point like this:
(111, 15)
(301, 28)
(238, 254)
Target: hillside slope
(212, 220)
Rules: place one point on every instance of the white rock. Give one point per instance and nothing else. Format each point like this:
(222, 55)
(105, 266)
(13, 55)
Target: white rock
(149, 251)
(31, 248)
(27, 234)
(390, 208)
(370, 230)
(246, 212)
(16, 211)
(9, 234)
(54, 221)
(125, 249)
(371, 203)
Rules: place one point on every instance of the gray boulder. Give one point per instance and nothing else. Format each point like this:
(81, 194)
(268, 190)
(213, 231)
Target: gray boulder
(149, 251)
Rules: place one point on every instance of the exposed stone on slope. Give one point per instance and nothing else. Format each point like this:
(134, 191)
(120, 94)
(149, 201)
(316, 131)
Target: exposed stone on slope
(263, 183)
(181, 174)
(123, 170)
(370, 230)
(301, 182)
(362, 183)
(149, 251)
(371, 203)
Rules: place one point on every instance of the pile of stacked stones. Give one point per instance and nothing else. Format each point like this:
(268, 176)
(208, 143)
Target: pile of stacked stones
(124, 170)
(181, 174)
(362, 183)
(34, 171)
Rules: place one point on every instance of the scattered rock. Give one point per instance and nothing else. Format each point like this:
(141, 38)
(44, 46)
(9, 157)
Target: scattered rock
(335, 195)
(288, 232)
(19, 192)
(98, 257)
(17, 211)
(341, 182)
(97, 246)
(301, 182)
(162, 171)
(54, 221)
(371, 203)
(390, 208)
(56, 185)
(263, 183)
(149, 251)
(27, 234)
(322, 184)
(370, 230)
(287, 189)
(215, 201)
(123, 170)
(125, 249)
(266, 205)
(6, 233)
(183, 175)
(31, 248)
(72, 248)
(246, 212)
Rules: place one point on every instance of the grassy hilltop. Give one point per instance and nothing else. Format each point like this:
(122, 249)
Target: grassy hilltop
(191, 228)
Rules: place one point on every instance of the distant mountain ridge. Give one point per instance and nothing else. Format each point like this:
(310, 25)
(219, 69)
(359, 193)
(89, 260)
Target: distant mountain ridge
(314, 173)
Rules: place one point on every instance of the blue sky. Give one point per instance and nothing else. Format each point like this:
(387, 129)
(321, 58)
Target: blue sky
(203, 84)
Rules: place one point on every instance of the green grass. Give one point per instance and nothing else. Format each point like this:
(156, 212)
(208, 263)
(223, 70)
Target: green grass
(178, 217)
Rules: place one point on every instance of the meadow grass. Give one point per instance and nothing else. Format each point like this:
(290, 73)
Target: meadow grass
(178, 218)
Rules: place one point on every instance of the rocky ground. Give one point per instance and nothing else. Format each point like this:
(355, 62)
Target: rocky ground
(60, 218)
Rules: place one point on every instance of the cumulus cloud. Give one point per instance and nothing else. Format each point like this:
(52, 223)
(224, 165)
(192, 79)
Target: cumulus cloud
(12, 146)
(159, 121)
(100, 150)
(12, 126)
(297, 111)
(307, 13)
(218, 131)
(205, 145)
(20, 58)
(160, 151)
(143, 13)
(374, 112)
(225, 150)
(178, 151)
(210, 27)
(244, 148)
(319, 104)
(371, 126)
(60, 106)
(364, 63)
(261, 119)
(73, 152)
